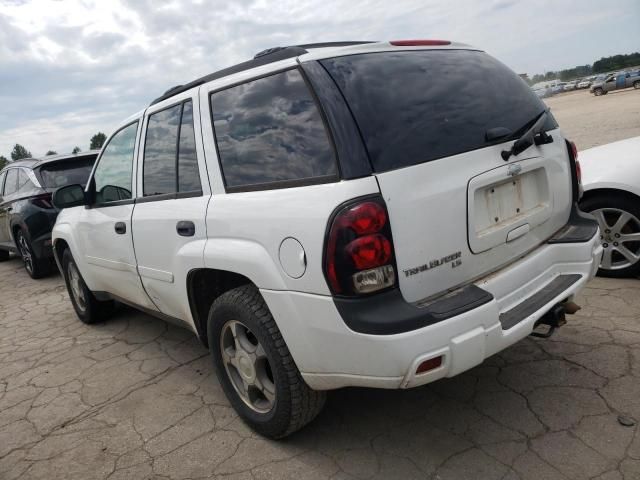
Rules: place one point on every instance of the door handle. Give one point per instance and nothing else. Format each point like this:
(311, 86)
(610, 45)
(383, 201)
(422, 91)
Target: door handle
(186, 228)
(120, 228)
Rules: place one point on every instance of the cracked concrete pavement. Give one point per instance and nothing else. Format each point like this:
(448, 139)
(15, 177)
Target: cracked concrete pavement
(136, 398)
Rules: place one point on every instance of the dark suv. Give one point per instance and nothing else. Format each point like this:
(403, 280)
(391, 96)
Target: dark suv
(27, 214)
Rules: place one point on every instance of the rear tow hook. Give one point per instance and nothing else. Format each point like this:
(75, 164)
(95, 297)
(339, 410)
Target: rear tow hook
(555, 318)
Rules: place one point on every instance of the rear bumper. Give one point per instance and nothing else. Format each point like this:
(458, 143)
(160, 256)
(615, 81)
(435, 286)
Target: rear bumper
(331, 355)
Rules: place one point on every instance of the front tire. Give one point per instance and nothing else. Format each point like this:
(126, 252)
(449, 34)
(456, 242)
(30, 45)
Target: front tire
(598, 91)
(87, 307)
(255, 367)
(636, 84)
(35, 267)
(619, 219)
(4, 255)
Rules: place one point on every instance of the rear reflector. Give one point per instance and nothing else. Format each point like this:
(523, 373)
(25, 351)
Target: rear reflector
(429, 365)
(419, 43)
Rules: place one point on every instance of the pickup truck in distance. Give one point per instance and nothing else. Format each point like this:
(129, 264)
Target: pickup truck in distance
(328, 215)
(616, 81)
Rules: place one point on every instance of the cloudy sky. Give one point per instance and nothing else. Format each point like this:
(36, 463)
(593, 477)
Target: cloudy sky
(70, 68)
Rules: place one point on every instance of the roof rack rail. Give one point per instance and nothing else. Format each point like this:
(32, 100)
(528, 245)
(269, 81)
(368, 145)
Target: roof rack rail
(279, 54)
(334, 44)
(176, 87)
(263, 57)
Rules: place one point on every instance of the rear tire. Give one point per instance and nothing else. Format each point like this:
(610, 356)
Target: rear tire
(87, 307)
(598, 91)
(4, 255)
(636, 84)
(35, 267)
(618, 259)
(276, 402)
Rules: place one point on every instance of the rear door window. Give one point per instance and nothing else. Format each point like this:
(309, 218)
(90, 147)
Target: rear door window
(25, 184)
(269, 133)
(422, 105)
(11, 183)
(170, 161)
(188, 174)
(66, 172)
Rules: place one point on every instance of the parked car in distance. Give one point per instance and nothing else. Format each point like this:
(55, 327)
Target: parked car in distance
(570, 86)
(586, 83)
(27, 214)
(611, 179)
(543, 92)
(558, 88)
(616, 81)
(328, 215)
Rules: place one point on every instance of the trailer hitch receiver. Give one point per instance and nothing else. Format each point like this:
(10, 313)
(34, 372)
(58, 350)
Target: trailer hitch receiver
(553, 319)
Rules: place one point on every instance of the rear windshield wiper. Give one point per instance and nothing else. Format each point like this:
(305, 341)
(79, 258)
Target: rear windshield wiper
(535, 134)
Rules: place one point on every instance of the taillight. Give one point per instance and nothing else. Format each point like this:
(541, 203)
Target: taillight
(419, 43)
(574, 150)
(43, 201)
(359, 255)
(577, 170)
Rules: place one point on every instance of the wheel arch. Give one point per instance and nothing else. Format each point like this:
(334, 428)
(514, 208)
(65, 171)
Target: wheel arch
(204, 286)
(59, 246)
(607, 191)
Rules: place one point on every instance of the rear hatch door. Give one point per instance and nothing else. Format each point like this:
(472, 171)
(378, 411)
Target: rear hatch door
(435, 123)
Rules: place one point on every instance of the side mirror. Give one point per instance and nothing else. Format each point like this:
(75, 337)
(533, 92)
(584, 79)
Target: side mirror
(69, 196)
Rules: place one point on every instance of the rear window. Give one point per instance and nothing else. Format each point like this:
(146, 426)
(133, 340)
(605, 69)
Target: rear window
(422, 105)
(66, 172)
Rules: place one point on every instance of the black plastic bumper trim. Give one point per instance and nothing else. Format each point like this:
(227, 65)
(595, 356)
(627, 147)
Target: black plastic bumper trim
(388, 313)
(580, 228)
(535, 302)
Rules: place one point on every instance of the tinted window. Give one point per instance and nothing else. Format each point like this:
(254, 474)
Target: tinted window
(66, 172)
(270, 130)
(113, 173)
(416, 106)
(160, 150)
(188, 175)
(2, 175)
(11, 184)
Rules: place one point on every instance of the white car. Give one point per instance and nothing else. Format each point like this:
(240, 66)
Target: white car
(570, 86)
(330, 215)
(584, 84)
(611, 176)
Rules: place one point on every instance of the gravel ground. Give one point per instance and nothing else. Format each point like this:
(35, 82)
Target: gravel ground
(136, 398)
(590, 121)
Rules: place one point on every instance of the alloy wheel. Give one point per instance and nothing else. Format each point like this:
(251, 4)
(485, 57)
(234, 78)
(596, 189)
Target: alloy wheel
(25, 252)
(620, 234)
(247, 366)
(76, 286)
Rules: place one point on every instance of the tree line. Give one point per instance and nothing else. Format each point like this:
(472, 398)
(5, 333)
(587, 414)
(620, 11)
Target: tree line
(19, 152)
(605, 64)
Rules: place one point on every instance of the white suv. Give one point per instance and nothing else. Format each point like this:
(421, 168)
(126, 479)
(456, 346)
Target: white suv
(332, 215)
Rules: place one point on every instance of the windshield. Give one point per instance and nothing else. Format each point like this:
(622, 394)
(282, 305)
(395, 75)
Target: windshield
(66, 172)
(422, 105)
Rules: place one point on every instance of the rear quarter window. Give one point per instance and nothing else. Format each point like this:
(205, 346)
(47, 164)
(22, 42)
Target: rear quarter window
(422, 105)
(269, 133)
